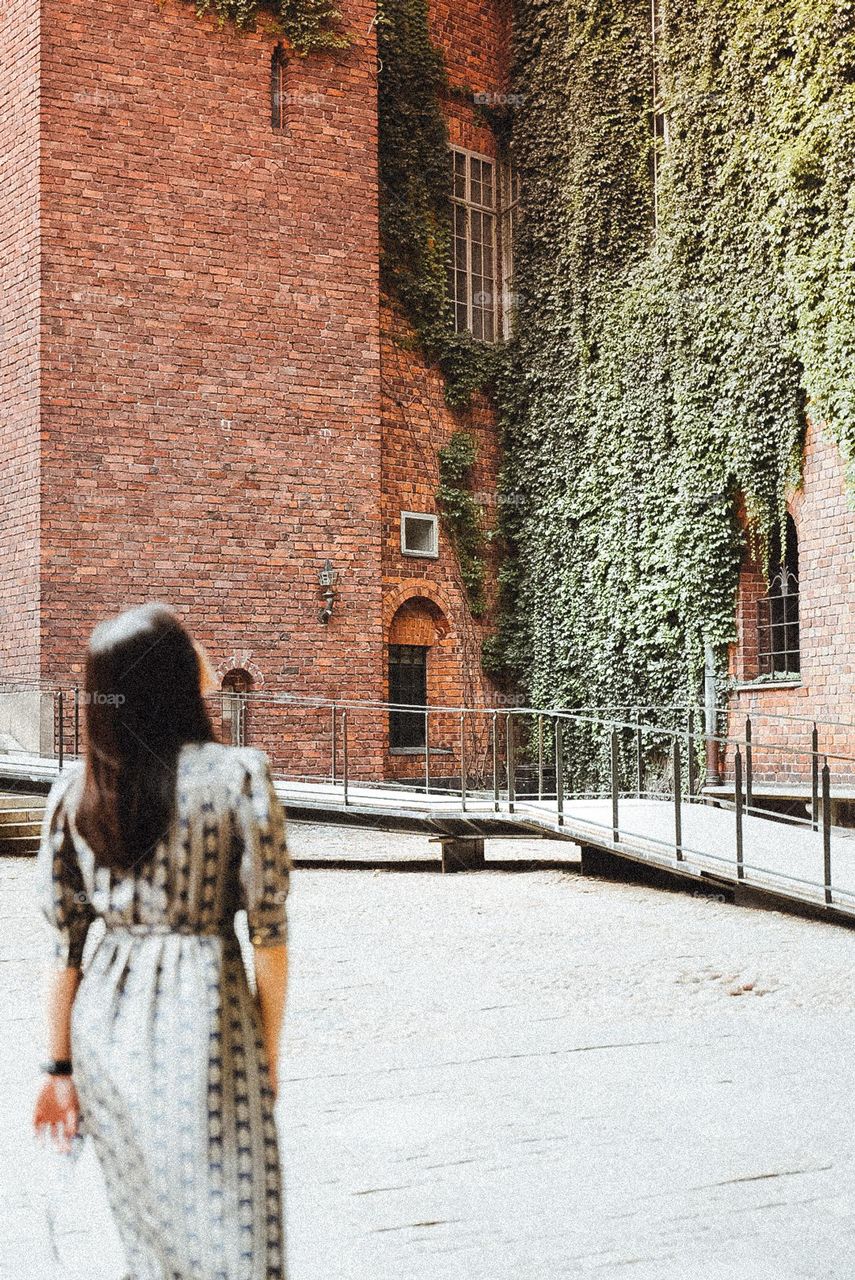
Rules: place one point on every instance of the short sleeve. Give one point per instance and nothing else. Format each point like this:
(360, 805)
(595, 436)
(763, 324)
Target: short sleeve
(265, 862)
(62, 892)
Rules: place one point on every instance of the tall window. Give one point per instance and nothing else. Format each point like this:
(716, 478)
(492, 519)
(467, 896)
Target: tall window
(658, 114)
(509, 215)
(407, 688)
(278, 96)
(778, 611)
(472, 280)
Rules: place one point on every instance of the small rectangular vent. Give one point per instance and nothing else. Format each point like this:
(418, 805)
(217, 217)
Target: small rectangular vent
(419, 534)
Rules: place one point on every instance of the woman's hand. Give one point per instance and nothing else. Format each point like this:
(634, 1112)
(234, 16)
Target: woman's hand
(57, 1111)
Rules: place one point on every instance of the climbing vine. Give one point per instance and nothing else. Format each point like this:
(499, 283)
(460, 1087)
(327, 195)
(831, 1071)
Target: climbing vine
(311, 26)
(659, 378)
(415, 211)
(461, 515)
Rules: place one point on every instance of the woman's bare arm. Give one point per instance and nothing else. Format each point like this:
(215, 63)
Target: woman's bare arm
(271, 978)
(62, 989)
(57, 1109)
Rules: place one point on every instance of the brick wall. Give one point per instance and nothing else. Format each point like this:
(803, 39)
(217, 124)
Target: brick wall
(417, 424)
(211, 341)
(19, 336)
(825, 522)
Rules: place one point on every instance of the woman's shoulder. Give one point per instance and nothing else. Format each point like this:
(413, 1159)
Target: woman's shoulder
(225, 762)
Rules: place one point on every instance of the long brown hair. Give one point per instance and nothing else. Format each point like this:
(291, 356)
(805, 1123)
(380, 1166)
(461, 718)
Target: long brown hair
(143, 703)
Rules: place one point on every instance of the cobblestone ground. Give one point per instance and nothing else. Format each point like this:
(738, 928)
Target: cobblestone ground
(520, 1076)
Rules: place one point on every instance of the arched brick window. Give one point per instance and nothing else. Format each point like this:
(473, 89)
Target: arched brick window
(278, 95)
(778, 611)
(415, 628)
(235, 685)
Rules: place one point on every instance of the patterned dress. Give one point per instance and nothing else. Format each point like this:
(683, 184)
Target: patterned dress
(166, 1036)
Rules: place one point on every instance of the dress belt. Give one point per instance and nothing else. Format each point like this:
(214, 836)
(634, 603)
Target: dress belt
(165, 929)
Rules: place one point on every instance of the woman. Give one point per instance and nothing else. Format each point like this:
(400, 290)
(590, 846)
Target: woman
(164, 835)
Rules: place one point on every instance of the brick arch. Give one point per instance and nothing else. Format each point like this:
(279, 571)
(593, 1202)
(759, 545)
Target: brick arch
(240, 662)
(424, 595)
(418, 621)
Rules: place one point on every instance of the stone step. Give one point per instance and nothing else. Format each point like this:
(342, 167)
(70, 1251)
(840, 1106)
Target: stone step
(20, 823)
(18, 845)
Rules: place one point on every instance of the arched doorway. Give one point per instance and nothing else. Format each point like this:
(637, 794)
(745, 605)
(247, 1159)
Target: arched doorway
(236, 684)
(417, 626)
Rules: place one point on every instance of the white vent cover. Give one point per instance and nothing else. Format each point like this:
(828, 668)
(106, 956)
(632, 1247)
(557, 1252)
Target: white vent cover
(419, 534)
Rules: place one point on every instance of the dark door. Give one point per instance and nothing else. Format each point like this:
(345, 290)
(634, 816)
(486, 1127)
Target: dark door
(407, 688)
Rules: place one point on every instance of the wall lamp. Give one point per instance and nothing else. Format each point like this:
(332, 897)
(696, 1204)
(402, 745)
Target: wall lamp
(327, 577)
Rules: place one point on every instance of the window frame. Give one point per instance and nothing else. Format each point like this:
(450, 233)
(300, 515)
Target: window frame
(509, 206)
(778, 623)
(433, 520)
(492, 212)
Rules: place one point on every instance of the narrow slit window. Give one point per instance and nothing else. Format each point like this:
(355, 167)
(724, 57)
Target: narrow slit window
(278, 95)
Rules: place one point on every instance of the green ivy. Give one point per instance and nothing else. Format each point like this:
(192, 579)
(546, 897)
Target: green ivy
(461, 515)
(311, 26)
(415, 210)
(659, 381)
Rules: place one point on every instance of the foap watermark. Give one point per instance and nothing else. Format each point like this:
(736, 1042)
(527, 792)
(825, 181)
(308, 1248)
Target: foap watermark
(100, 699)
(486, 99)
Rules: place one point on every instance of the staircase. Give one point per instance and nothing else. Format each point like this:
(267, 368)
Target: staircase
(20, 823)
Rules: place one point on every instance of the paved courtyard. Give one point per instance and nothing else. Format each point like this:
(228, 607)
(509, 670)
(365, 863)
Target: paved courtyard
(519, 1076)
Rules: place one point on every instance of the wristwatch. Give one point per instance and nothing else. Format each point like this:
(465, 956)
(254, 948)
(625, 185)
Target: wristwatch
(58, 1067)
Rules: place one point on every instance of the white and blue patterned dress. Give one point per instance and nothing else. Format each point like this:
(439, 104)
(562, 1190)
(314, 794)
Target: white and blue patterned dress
(166, 1036)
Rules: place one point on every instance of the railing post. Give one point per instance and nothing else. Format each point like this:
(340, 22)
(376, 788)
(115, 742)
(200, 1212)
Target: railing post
(692, 760)
(826, 829)
(615, 783)
(427, 751)
(814, 778)
(749, 766)
(678, 800)
(639, 760)
(344, 766)
(61, 719)
(333, 741)
(76, 721)
(540, 757)
(462, 760)
(737, 785)
(509, 752)
(559, 769)
(495, 744)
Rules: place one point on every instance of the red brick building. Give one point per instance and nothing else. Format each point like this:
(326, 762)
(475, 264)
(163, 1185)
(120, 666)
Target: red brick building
(203, 400)
(794, 662)
(206, 399)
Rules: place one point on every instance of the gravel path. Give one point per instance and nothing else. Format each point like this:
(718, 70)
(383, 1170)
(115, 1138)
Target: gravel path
(524, 1076)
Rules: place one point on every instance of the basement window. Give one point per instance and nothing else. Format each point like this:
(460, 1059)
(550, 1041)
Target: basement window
(419, 534)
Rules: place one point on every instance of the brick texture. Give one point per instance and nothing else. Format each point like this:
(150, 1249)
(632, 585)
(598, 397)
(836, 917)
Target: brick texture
(823, 516)
(417, 424)
(201, 407)
(211, 341)
(19, 334)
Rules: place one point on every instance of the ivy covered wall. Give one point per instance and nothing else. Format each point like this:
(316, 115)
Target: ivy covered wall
(658, 381)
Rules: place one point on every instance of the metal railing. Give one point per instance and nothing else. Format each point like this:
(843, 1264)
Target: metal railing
(554, 763)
